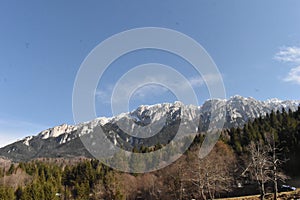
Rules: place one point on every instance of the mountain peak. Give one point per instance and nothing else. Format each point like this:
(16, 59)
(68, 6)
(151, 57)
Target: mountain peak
(57, 131)
(64, 140)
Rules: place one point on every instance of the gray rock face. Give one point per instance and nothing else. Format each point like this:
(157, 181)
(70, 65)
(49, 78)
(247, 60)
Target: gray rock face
(147, 125)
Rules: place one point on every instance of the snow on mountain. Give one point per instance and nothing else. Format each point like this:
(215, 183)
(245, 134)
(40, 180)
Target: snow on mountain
(238, 110)
(27, 140)
(125, 129)
(57, 131)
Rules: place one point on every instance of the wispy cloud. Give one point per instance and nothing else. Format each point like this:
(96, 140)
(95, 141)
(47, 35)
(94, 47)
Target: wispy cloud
(12, 130)
(197, 81)
(290, 55)
(153, 89)
(293, 75)
(104, 95)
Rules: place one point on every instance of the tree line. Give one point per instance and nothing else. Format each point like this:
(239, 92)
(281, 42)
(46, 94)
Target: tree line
(262, 152)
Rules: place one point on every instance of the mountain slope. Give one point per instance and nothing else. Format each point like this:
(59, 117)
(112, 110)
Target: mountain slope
(127, 129)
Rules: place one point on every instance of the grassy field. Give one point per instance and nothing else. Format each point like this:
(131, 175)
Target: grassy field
(281, 196)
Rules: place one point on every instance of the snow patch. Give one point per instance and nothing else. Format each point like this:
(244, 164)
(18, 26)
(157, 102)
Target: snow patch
(27, 140)
(57, 131)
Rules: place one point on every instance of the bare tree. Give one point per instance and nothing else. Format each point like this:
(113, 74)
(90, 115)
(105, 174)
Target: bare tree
(260, 165)
(174, 178)
(276, 162)
(213, 174)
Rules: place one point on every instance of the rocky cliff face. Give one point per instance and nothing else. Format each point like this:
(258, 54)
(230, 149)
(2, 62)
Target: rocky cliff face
(147, 125)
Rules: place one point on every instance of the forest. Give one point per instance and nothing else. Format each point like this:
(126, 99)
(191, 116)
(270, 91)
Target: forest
(259, 156)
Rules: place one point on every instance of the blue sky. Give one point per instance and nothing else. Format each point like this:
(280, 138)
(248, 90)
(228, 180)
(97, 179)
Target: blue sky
(255, 45)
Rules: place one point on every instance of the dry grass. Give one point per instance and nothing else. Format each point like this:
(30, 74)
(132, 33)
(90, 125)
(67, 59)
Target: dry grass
(281, 196)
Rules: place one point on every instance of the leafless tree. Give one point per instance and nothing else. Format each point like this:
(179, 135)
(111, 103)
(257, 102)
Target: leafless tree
(265, 164)
(174, 178)
(260, 164)
(276, 162)
(214, 173)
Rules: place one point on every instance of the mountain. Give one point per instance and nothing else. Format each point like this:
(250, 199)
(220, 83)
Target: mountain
(131, 129)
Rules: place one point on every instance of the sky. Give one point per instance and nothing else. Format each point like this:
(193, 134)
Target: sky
(255, 45)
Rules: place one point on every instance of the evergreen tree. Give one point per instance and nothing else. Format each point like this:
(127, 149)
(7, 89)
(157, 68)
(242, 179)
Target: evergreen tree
(6, 193)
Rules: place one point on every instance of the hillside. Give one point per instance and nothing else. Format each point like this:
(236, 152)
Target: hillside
(220, 174)
(124, 130)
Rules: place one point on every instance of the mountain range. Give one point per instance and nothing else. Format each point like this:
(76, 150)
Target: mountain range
(147, 125)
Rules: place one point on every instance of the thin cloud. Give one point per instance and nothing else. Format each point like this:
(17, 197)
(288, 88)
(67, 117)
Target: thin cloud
(7, 138)
(155, 86)
(197, 81)
(293, 75)
(290, 55)
(104, 95)
(153, 89)
(13, 130)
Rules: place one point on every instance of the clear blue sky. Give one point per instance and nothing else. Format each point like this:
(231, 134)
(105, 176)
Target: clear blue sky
(254, 43)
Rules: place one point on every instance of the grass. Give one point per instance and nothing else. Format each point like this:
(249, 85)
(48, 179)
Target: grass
(281, 196)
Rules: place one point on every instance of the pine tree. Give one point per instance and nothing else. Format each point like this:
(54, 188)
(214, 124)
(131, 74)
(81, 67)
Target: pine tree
(6, 193)
(11, 169)
(19, 193)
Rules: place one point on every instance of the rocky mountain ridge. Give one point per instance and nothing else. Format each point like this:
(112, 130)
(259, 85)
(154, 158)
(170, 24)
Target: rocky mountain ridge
(126, 129)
